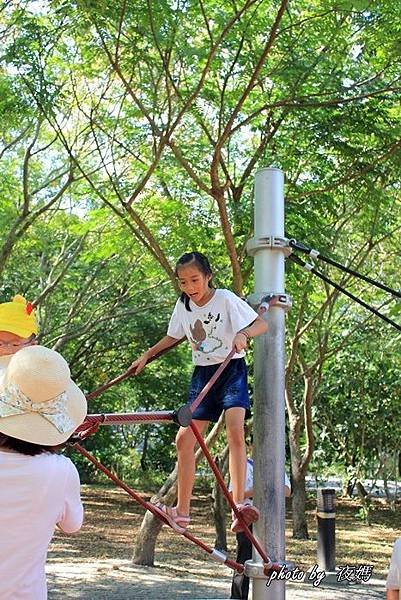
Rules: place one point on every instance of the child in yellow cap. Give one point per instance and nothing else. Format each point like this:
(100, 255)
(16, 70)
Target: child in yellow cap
(18, 326)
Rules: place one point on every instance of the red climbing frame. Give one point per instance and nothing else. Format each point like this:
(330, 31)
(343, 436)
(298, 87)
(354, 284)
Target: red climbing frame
(153, 509)
(92, 423)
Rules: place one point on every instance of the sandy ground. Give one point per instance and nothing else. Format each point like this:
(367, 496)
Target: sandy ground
(95, 564)
(119, 580)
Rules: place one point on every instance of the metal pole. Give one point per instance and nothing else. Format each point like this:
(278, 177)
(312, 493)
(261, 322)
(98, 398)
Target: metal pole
(269, 401)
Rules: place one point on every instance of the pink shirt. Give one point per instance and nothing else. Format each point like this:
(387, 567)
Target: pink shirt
(36, 493)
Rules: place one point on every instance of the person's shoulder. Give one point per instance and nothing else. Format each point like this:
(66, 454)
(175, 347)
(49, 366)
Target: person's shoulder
(228, 295)
(178, 303)
(232, 299)
(60, 461)
(49, 465)
(67, 463)
(178, 307)
(224, 292)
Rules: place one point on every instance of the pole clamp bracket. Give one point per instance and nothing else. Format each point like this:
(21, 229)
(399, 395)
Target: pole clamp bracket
(262, 302)
(259, 570)
(254, 570)
(271, 242)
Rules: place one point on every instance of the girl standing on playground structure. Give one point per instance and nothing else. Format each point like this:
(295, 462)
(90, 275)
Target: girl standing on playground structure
(215, 321)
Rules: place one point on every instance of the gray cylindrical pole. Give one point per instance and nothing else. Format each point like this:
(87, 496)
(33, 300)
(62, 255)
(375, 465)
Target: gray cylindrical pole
(326, 529)
(269, 365)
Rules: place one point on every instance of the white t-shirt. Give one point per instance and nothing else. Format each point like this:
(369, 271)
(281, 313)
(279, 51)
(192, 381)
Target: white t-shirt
(393, 581)
(211, 328)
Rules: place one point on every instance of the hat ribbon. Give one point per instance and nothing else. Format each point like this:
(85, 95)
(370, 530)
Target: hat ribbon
(14, 402)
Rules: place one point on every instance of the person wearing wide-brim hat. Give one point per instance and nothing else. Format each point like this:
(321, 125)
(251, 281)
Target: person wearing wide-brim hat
(40, 408)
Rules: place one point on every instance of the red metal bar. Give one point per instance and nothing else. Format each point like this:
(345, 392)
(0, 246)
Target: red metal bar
(228, 496)
(151, 507)
(212, 380)
(128, 373)
(127, 418)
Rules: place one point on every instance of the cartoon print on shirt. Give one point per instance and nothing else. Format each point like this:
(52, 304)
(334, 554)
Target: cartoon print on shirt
(210, 318)
(198, 333)
(202, 339)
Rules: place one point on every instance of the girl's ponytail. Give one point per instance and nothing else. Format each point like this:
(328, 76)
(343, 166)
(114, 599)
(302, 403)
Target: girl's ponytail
(185, 299)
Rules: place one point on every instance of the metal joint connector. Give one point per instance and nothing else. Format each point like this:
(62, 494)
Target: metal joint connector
(258, 570)
(262, 302)
(293, 244)
(281, 300)
(254, 570)
(182, 416)
(218, 556)
(271, 242)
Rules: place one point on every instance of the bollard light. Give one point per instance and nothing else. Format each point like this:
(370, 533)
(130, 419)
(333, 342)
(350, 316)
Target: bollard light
(326, 529)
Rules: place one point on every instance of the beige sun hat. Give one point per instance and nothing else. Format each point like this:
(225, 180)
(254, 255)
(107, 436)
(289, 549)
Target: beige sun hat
(39, 402)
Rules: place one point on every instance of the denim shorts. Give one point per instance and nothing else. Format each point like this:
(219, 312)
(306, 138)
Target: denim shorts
(229, 391)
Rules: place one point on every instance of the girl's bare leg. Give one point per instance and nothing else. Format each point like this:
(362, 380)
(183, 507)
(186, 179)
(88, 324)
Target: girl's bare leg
(185, 443)
(237, 458)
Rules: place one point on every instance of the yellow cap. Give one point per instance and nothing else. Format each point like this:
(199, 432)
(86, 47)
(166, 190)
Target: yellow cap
(18, 317)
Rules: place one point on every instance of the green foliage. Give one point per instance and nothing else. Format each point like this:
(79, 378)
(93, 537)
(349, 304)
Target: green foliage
(359, 403)
(130, 134)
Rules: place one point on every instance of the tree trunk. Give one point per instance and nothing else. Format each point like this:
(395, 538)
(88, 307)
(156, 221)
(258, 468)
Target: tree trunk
(389, 498)
(298, 468)
(365, 501)
(299, 522)
(144, 550)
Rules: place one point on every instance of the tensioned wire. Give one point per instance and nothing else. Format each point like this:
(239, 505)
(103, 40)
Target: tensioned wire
(343, 290)
(316, 254)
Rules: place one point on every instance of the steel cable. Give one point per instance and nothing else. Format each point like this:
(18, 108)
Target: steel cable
(316, 254)
(341, 289)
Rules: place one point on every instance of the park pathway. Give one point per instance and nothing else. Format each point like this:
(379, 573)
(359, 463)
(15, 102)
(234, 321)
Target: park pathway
(119, 580)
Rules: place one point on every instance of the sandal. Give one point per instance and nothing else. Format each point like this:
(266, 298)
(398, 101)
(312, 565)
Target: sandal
(176, 521)
(249, 513)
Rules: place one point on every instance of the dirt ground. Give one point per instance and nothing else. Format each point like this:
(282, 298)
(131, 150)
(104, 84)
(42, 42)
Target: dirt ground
(96, 563)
